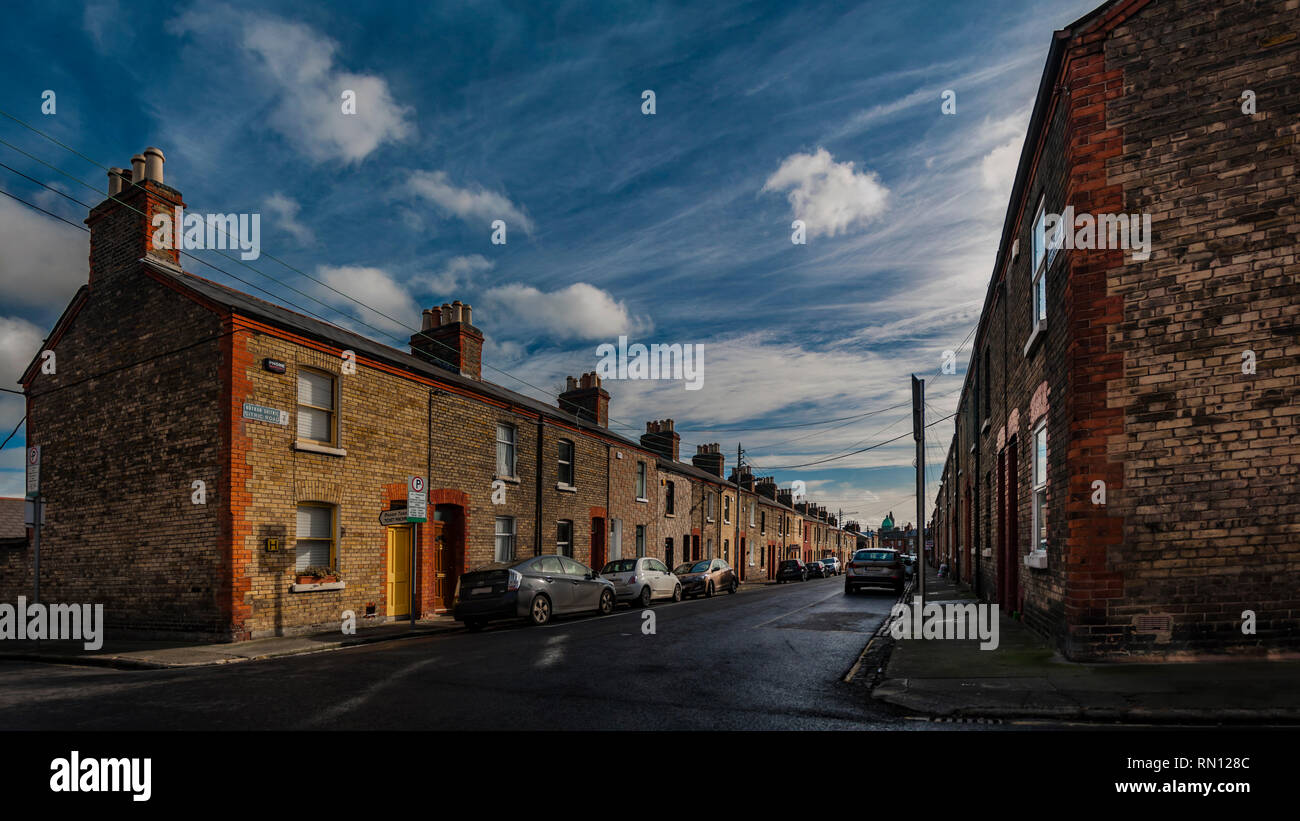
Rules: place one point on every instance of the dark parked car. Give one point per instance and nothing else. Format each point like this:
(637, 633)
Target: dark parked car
(791, 570)
(909, 564)
(875, 568)
(816, 570)
(706, 577)
(535, 588)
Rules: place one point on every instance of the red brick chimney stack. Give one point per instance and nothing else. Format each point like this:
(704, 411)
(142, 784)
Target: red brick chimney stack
(448, 338)
(660, 437)
(586, 399)
(121, 227)
(710, 458)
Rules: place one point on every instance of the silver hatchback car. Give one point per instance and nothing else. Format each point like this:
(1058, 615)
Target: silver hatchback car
(534, 588)
(639, 581)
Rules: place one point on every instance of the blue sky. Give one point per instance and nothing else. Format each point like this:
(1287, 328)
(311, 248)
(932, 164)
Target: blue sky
(672, 228)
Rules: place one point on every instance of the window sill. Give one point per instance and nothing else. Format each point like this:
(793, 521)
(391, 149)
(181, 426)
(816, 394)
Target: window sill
(312, 588)
(1040, 330)
(316, 447)
(670, 515)
(1037, 560)
(642, 501)
(561, 486)
(514, 480)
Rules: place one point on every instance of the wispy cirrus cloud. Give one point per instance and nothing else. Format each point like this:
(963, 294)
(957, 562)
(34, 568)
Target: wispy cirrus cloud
(470, 203)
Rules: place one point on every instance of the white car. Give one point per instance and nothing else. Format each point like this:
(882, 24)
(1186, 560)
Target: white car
(832, 566)
(639, 581)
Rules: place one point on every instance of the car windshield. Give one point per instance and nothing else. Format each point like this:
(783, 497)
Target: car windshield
(790, 563)
(874, 556)
(621, 566)
(693, 567)
(829, 561)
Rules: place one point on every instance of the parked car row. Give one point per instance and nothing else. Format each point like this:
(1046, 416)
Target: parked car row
(538, 588)
(796, 570)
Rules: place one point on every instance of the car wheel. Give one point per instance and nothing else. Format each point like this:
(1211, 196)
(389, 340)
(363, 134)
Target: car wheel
(539, 612)
(733, 587)
(606, 602)
(708, 591)
(474, 625)
(677, 593)
(644, 598)
(848, 591)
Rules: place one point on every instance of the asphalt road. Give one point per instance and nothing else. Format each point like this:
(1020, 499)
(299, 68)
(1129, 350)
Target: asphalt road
(769, 658)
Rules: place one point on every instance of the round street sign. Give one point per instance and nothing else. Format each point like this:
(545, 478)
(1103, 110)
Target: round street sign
(417, 483)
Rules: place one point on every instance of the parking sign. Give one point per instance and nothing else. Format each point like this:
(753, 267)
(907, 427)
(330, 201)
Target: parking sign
(417, 500)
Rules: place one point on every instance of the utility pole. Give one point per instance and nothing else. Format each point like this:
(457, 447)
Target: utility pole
(740, 560)
(918, 433)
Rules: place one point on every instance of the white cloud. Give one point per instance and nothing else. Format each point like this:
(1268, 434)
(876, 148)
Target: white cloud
(383, 297)
(454, 274)
(42, 262)
(306, 85)
(476, 203)
(998, 168)
(19, 342)
(580, 311)
(285, 211)
(830, 197)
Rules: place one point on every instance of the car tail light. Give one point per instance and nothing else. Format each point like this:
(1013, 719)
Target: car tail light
(515, 579)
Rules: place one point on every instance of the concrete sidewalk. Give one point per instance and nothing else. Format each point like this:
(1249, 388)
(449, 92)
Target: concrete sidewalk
(1025, 678)
(152, 655)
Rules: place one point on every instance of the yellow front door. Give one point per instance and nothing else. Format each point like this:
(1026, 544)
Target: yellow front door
(399, 571)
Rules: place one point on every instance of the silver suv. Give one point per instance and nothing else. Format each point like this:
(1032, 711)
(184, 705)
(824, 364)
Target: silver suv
(641, 580)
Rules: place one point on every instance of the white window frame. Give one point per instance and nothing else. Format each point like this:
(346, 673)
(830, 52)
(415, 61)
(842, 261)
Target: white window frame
(511, 452)
(564, 546)
(708, 495)
(330, 542)
(640, 481)
(726, 509)
(504, 529)
(331, 412)
(1040, 488)
(640, 541)
(561, 462)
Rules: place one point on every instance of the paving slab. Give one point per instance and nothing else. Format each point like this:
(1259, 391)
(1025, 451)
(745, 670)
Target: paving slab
(1025, 678)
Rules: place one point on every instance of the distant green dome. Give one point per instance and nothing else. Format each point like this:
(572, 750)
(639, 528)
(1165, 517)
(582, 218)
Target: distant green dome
(888, 524)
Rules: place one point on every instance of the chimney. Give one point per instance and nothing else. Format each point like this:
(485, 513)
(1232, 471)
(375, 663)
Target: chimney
(448, 339)
(745, 476)
(122, 229)
(766, 487)
(660, 437)
(709, 458)
(586, 399)
(785, 496)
